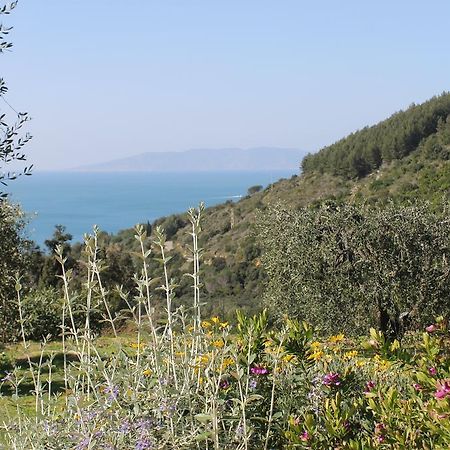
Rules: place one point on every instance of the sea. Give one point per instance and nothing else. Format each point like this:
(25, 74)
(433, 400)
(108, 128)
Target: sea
(115, 201)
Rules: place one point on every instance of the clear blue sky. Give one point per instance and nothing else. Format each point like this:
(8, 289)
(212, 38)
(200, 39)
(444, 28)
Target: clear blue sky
(105, 79)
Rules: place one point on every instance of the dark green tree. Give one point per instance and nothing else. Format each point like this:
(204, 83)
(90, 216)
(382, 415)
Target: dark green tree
(351, 267)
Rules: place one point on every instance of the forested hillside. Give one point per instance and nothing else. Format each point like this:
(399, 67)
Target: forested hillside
(363, 152)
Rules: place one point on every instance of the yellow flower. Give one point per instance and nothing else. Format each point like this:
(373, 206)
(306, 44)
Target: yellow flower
(351, 354)
(215, 320)
(223, 325)
(136, 345)
(288, 358)
(218, 343)
(315, 345)
(190, 329)
(203, 360)
(227, 362)
(206, 324)
(147, 372)
(338, 338)
(318, 354)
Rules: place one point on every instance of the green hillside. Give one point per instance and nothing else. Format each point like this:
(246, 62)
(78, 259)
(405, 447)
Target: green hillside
(412, 149)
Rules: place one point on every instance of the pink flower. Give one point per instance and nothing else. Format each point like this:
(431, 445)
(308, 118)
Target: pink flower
(431, 328)
(259, 370)
(331, 379)
(432, 371)
(304, 436)
(369, 386)
(417, 386)
(443, 390)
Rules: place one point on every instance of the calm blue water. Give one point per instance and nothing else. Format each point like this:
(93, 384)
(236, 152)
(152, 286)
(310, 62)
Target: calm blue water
(115, 201)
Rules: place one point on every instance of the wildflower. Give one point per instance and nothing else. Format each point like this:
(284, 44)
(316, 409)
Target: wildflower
(147, 372)
(143, 425)
(331, 379)
(432, 371)
(304, 436)
(143, 444)
(135, 345)
(337, 338)
(316, 355)
(223, 325)
(351, 354)
(443, 390)
(206, 324)
(124, 427)
(218, 343)
(224, 384)
(215, 320)
(252, 384)
(431, 328)
(113, 392)
(84, 444)
(417, 386)
(227, 362)
(315, 345)
(369, 386)
(288, 358)
(259, 370)
(380, 432)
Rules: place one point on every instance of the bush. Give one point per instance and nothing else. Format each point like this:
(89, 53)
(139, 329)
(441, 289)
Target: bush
(254, 189)
(42, 312)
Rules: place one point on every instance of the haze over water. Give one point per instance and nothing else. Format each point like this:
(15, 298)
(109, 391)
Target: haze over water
(116, 201)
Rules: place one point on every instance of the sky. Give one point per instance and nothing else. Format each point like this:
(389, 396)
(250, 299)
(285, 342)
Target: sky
(106, 79)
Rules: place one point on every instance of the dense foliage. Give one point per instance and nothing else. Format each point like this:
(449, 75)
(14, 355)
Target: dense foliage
(363, 152)
(349, 267)
(13, 250)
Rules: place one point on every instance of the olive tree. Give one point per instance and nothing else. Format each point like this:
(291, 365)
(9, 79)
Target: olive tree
(350, 267)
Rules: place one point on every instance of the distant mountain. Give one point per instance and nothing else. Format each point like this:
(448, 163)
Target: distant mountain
(204, 160)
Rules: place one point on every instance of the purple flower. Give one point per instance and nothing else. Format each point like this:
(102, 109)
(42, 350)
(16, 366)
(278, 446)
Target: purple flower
(143, 444)
(304, 436)
(431, 328)
(224, 384)
(124, 427)
(432, 371)
(442, 391)
(252, 384)
(82, 445)
(113, 392)
(369, 386)
(144, 425)
(331, 379)
(417, 386)
(259, 370)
